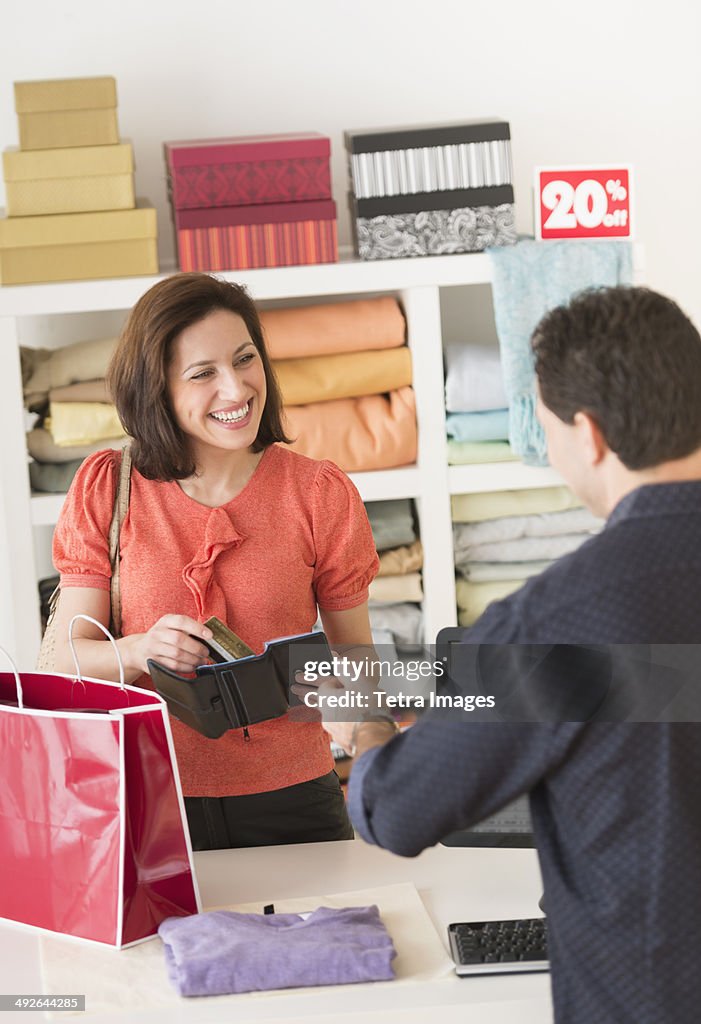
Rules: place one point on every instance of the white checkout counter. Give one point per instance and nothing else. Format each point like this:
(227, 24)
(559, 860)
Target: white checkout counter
(454, 884)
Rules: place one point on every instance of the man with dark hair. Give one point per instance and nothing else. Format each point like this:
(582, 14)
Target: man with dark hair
(631, 360)
(616, 815)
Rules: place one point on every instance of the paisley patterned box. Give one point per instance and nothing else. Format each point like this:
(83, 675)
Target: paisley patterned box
(431, 189)
(434, 224)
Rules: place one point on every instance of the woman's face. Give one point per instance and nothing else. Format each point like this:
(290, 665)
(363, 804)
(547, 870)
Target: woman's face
(216, 383)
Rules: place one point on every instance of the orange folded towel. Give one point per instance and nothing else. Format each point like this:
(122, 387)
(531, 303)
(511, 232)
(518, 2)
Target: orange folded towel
(355, 326)
(373, 432)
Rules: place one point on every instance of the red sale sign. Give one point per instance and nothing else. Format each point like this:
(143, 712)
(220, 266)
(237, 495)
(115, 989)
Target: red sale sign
(583, 202)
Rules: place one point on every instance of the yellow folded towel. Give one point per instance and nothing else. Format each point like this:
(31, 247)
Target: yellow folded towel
(80, 423)
(474, 598)
(473, 508)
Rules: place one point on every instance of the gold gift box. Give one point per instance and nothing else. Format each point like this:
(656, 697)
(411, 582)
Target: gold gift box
(79, 246)
(65, 94)
(67, 112)
(61, 128)
(77, 180)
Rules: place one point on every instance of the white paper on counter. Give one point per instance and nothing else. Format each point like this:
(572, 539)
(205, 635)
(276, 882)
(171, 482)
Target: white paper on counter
(136, 980)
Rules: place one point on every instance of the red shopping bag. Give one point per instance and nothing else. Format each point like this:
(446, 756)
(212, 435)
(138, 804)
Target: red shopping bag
(93, 835)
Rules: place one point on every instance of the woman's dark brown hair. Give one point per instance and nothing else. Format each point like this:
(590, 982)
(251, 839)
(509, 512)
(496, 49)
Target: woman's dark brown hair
(137, 376)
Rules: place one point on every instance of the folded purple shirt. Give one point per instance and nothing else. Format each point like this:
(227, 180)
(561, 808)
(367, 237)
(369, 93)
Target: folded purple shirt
(221, 951)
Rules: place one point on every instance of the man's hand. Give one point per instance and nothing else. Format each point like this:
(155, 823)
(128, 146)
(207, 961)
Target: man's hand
(356, 727)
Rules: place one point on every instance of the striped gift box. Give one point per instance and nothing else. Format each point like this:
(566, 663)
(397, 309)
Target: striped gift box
(428, 190)
(248, 237)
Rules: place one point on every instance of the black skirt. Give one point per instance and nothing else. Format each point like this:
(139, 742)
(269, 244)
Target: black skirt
(310, 812)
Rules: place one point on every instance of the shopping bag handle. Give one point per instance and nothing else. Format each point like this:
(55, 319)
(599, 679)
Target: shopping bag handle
(109, 636)
(20, 695)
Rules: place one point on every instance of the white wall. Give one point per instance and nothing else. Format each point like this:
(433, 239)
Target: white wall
(580, 83)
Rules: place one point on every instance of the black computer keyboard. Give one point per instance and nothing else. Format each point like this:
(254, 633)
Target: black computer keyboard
(499, 947)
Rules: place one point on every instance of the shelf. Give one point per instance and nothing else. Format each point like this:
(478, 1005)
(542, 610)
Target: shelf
(381, 484)
(348, 277)
(499, 476)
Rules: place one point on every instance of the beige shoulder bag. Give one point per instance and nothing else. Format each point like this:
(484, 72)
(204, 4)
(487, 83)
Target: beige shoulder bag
(47, 651)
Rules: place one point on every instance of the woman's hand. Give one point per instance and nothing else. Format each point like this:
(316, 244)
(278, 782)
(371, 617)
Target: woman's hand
(173, 641)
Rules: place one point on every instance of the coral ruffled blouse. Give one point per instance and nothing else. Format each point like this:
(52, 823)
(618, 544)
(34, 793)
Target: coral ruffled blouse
(296, 536)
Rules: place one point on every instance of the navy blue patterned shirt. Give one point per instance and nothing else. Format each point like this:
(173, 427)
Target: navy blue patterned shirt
(616, 808)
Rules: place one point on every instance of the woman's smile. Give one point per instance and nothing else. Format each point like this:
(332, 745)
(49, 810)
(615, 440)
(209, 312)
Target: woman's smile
(234, 417)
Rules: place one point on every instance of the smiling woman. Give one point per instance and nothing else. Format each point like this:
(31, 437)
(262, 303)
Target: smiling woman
(224, 521)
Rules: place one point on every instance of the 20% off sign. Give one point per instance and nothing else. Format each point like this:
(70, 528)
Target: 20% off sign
(585, 202)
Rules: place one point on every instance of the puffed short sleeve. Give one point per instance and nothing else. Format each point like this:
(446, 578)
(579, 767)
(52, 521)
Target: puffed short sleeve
(346, 559)
(81, 538)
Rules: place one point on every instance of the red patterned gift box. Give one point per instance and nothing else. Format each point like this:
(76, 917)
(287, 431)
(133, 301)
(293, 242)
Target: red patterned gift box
(246, 237)
(249, 170)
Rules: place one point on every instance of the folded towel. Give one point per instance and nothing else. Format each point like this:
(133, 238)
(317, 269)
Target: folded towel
(525, 549)
(493, 572)
(41, 446)
(222, 951)
(468, 453)
(79, 423)
(400, 560)
(383, 642)
(374, 432)
(394, 589)
(478, 426)
(404, 622)
(30, 358)
(545, 524)
(354, 326)
(531, 278)
(83, 391)
(84, 360)
(53, 477)
(391, 522)
(470, 508)
(474, 598)
(344, 375)
(474, 381)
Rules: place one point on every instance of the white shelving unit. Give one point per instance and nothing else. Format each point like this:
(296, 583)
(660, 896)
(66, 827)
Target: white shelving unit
(430, 482)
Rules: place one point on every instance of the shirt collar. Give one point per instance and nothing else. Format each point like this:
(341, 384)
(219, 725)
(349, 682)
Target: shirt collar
(678, 498)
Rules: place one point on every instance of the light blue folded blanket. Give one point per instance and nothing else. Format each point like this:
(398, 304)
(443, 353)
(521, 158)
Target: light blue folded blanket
(478, 426)
(531, 278)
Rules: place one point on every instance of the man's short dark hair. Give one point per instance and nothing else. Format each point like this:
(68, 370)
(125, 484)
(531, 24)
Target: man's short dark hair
(631, 359)
(137, 376)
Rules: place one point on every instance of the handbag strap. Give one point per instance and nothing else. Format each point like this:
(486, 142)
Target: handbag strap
(119, 511)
